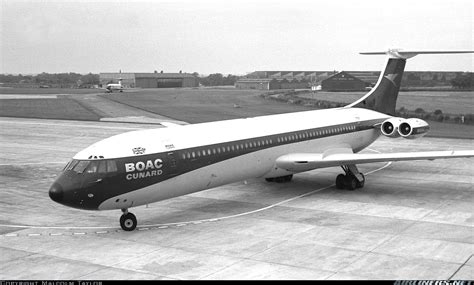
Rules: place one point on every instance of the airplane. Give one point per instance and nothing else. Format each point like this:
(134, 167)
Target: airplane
(114, 86)
(146, 166)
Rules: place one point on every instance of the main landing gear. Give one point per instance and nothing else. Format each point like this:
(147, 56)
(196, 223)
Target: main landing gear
(128, 221)
(351, 180)
(280, 179)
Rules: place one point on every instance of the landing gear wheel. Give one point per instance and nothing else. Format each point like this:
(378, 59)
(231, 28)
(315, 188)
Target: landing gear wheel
(283, 179)
(351, 182)
(361, 184)
(128, 222)
(340, 181)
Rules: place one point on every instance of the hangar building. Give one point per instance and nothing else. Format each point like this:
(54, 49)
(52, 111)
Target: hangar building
(271, 80)
(271, 83)
(343, 81)
(150, 80)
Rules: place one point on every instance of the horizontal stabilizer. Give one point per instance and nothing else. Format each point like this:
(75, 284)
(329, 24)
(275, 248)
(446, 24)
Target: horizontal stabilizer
(299, 162)
(398, 53)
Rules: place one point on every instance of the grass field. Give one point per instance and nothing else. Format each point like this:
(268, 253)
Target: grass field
(203, 105)
(62, 108)
(450, 102)
(206, 105)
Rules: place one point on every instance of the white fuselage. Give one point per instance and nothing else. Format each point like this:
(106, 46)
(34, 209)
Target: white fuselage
(259, 163)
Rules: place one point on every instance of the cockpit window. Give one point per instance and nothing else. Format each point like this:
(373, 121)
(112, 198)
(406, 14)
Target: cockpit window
(102, 167)
(92, 168)
(79, 168)
(70, 165)
(111, 166)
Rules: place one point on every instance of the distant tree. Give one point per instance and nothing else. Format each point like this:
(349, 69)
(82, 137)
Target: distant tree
(90, 79)
(230, 79)
(216, 79)
(463, 81)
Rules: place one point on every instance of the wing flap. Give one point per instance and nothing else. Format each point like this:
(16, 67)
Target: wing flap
(299, 162)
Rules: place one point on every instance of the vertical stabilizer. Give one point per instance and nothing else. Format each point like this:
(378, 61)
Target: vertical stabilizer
(383, 97)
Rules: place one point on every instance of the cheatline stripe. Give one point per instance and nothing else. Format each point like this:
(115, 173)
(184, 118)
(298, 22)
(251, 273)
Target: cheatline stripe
(199, 221)
(190, 159)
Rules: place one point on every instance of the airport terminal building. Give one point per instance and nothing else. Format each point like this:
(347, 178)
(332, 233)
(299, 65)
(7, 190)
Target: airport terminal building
(150, 80)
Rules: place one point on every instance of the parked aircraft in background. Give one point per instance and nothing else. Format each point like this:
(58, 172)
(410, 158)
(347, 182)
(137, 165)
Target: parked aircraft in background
(146, 166)
(114, 86)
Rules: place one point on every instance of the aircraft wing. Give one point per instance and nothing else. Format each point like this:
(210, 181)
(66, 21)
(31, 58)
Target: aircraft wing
(299, 162)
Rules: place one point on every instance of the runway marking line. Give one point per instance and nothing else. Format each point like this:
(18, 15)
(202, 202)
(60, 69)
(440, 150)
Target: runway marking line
(178, 224)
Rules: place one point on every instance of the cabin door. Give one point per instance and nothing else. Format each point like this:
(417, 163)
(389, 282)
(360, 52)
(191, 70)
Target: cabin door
(172, 163)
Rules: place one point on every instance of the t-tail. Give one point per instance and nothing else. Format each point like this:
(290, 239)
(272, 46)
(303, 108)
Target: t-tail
(383, 97)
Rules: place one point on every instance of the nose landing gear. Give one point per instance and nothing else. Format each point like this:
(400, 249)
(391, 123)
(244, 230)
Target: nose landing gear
(128, 221)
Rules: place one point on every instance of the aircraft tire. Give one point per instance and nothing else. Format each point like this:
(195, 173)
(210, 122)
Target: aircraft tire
(128, 222)
(283, 179)
(340, 179)
(351, 183)
(361, 184)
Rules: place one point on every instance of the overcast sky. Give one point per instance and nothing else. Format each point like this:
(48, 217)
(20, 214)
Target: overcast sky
(229, 36)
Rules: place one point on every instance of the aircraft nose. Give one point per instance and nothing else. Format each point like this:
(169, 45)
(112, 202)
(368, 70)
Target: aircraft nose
(56, 193)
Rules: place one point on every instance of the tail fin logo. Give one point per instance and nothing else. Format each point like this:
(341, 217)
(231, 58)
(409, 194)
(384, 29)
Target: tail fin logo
(392, 77)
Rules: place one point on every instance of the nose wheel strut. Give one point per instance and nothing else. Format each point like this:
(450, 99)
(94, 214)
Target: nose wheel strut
(128, 221)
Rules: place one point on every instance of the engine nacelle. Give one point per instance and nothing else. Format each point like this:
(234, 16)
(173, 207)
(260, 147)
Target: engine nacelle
(413, 128)
(390, 126)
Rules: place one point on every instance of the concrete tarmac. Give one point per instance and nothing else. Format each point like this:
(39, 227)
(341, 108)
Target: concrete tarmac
(412, 220)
